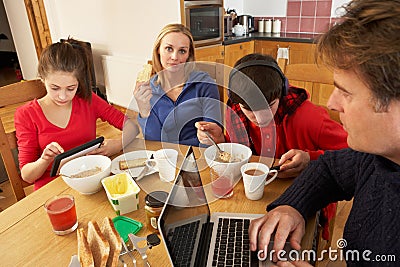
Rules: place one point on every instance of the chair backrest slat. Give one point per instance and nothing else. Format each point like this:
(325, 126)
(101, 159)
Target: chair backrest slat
(317, 80)
(12, 96)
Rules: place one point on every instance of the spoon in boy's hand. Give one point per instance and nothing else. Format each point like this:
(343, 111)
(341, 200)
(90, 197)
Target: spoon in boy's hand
(222, 155)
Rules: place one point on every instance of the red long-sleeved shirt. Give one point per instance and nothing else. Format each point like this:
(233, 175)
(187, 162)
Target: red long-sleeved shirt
(34, 132)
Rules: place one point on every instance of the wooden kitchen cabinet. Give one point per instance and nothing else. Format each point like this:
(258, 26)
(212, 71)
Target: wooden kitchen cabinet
(298, 52)
(234, 52)
(214, 53)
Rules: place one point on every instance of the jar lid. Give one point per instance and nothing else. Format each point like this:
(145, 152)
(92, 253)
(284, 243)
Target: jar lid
(156, 199)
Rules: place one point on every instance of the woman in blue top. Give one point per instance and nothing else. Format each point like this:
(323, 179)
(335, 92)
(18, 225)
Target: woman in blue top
(177, 96)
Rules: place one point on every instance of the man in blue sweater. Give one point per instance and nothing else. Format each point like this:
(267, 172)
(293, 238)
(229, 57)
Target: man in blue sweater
(364, 51)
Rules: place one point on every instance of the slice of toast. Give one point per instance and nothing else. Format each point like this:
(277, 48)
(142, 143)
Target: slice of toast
(84, 253)
(98, 244)
(114, 239)
(133, 163)
(145, 74)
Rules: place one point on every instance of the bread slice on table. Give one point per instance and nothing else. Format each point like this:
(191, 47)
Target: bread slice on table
(114, 239)
(84, 253)
(98, 244)
(132, 163)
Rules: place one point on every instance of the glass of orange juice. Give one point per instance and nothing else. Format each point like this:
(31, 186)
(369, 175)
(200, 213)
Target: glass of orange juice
(62, 214)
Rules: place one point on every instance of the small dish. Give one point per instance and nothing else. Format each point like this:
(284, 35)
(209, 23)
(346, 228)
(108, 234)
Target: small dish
(134, 172)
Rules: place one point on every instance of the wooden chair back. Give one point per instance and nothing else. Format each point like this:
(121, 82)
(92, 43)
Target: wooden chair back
(316, 79)
(11, 97)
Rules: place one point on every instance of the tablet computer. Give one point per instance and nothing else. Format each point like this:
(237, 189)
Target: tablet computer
(75, 152)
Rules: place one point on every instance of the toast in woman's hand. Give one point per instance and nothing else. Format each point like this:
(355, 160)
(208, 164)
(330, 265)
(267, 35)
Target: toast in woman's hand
(84, 253)
(133, 163)
(98, 244)
(145, 74)
(114, 240)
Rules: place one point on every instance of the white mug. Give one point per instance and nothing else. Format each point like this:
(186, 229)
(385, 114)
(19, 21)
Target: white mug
(254, 182)
(165, 163)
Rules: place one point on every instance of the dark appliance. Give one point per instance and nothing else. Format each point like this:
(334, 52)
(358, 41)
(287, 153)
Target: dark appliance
(248, 23)
(205, 20)
(228, 25)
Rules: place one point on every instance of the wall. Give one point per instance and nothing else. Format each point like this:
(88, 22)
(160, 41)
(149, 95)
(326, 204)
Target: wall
(258, 7)
(125, 29)
(298, 16)
(121, 28)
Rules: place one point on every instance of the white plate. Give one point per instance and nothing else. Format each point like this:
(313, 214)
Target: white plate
(134, 172)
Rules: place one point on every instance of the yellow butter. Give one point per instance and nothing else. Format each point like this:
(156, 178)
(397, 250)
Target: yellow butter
(119, 185)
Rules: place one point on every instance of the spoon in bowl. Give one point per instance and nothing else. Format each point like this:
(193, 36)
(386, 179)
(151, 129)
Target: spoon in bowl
(222, 155)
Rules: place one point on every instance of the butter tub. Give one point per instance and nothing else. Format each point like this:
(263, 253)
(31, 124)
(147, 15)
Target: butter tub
(122, 192)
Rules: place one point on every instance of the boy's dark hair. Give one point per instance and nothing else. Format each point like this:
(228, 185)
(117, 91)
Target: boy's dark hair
(256, 86)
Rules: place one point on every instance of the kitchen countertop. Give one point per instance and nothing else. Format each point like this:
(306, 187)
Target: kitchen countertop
(283, 37)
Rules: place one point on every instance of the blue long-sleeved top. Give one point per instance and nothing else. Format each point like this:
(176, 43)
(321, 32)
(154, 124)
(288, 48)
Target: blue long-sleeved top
(173, 122)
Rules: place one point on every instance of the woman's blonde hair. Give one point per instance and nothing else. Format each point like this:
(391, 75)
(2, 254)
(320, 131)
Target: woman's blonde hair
(176, 27)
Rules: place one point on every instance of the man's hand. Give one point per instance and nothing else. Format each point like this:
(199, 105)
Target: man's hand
(284, 221)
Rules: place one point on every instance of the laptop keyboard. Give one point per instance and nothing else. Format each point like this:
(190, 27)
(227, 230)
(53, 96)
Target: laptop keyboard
(232, 246)
(182, 240)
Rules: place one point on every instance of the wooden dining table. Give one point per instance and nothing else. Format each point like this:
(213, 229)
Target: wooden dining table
(27, 239)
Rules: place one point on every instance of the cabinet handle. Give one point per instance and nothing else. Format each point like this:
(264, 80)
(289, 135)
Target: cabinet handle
(241, 47)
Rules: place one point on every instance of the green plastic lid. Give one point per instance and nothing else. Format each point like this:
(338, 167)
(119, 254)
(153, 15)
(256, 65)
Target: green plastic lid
(125, 226)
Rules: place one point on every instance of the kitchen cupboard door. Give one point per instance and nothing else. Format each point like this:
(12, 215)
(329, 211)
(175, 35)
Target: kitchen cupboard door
(214, 53)
(298, 52)
(234, 52)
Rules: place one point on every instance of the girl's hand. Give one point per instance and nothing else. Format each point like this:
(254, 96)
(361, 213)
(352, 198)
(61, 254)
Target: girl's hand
(108, 148)
(142, 94)
(51, 151)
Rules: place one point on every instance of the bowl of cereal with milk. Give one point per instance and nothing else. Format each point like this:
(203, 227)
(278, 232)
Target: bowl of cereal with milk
(239, 155)
(84, 174)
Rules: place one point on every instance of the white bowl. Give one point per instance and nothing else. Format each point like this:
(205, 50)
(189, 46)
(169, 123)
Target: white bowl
(89, 184)
(238, 151)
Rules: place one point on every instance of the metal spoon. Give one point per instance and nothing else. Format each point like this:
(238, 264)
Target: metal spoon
(223, 155)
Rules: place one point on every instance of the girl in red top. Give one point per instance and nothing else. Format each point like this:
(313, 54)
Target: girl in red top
(66, 116)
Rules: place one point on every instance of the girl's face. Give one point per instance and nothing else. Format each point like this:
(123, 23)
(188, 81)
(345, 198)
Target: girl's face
(174, 50)
(262, 117)
(61, 87)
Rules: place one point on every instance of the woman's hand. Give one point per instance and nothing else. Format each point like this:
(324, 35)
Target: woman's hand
(212, 128)
(142, 94)
(293, 163)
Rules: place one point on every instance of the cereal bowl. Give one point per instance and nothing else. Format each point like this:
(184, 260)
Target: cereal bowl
(84, 174)
(240, 155)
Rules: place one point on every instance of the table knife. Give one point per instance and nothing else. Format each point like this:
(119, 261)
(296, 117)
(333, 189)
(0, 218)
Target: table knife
(144, 171)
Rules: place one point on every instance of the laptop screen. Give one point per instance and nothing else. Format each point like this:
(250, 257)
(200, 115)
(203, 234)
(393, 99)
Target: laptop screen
(185, 215)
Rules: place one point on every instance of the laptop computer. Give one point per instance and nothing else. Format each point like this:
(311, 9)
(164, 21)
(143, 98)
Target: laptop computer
(195, 237)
